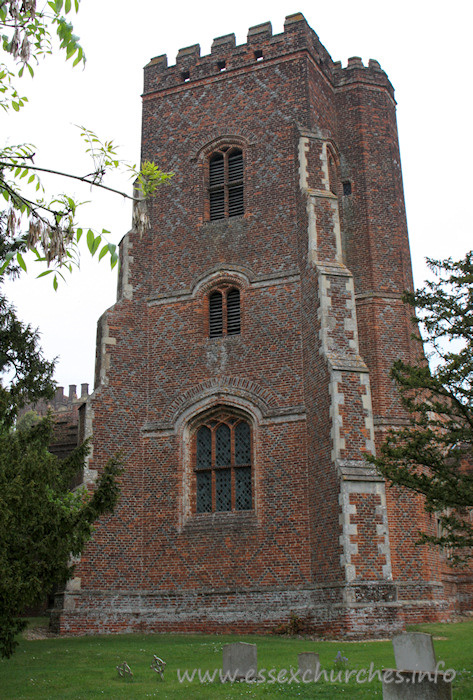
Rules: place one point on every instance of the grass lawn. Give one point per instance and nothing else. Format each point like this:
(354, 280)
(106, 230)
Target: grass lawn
(85, 667)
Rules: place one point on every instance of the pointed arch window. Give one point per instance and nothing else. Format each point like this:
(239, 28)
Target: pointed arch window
(224, 312)
(332, 172)
(226, 183)
(223, 465)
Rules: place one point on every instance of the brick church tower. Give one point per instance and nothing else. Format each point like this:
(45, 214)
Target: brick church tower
(244, 369)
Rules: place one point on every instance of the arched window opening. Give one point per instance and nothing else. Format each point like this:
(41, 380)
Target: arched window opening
(216, 314)
(233, 312)
(224, 312)
(332, 173)
(226, 183)
(223, 465)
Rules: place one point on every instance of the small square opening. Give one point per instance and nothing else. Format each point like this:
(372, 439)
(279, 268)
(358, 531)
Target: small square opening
(185, 75)
(258, 55)
(221, 65)
(346, 188)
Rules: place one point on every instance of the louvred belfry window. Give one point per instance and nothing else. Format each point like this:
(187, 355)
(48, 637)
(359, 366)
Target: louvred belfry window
(223, 465)
(224, 312)
(226, 183)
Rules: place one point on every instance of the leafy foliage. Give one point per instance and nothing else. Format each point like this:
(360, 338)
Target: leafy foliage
(42, 522)
(25, 374)
(433, 455)
(46, 224)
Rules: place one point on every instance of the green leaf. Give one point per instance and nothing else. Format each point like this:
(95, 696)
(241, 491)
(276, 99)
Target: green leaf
(43, 274)
(90, 240)
(80, 56)
(55, 283)
(103, 252)
(79, 233)
(96, 245)
(67, 7)
(113, 260)
(8, 258)
(21, 262)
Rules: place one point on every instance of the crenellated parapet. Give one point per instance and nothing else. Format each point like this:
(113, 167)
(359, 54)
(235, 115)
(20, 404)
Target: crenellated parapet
(60, 403)
(261, 48)
(68, 412)
(356, 72)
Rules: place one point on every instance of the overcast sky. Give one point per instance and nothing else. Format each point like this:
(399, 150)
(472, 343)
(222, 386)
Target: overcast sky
(424, 47)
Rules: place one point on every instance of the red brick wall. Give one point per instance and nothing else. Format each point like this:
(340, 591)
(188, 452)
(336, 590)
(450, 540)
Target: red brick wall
(316, 541)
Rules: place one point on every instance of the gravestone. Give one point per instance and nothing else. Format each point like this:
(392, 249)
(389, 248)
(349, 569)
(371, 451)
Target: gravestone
(415, 676)
(240, 661)
(432, 687)
(309, 664)
(414, 651)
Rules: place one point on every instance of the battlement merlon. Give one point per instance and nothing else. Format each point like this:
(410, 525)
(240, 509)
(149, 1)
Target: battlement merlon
(262, 46)
(61, 403)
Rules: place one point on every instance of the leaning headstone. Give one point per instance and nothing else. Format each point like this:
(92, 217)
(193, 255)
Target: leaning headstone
(308, 666)
(414, 651)
(239, 661)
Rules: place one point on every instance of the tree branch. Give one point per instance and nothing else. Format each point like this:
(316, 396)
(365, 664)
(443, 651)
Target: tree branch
(80, 178)
(33, 206)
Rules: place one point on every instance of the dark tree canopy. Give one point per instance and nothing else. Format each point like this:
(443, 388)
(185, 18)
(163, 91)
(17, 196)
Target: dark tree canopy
(42, 523)
(433, 454)
(25, 375)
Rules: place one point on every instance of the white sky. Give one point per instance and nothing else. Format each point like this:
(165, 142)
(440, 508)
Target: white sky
(423, 45)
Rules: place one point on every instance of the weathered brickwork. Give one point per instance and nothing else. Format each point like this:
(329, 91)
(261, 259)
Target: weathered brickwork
(68, 412)
(320, 258)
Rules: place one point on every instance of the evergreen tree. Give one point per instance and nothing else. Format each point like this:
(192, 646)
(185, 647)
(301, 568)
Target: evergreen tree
(433, 454)
(42, 522)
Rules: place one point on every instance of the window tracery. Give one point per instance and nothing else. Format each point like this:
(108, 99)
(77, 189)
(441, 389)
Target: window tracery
(223, 465)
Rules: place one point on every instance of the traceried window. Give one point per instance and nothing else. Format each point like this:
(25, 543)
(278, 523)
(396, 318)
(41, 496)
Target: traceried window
(226, 183)
(223, 465)
(224, 312)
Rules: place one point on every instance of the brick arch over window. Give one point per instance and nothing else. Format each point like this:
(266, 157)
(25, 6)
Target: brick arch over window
(222, 462)
(225, 170)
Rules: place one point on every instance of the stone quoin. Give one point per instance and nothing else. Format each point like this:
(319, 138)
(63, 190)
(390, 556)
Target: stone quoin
(244, 368)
